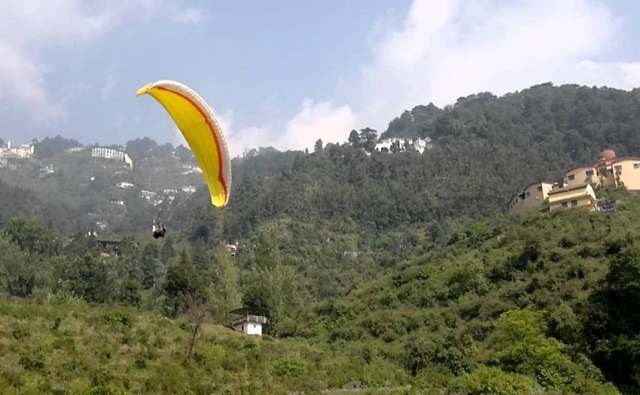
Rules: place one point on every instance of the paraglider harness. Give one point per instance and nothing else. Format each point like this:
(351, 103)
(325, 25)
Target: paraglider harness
(159, 230)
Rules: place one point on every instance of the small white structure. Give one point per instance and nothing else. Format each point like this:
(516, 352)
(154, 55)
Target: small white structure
(47, 171)
(232, 248)
(112, 153)
(189, 189)
(170, 191)
(250, 322)
(125, 185)
(190, 169)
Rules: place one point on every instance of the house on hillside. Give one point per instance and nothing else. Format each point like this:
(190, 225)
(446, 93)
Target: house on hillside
(189, 189)
(533, 196)
(108, 246)
(113, 154)
(249, 321)
(579, 185)
(581, 195)
(24, 151)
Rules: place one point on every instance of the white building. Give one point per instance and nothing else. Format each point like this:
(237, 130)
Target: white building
(46, 171)
(24, 151)
(75, 149)
(124, 185)
(249, 323)
(189, 189)
(190, 169)
(151, 197)
(112, 153)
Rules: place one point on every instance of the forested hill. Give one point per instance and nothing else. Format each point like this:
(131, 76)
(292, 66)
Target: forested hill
(483, 150)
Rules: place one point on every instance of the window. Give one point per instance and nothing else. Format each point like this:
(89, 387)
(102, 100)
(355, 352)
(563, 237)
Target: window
(540, 186)
(589, 173)
(564, 204)
(571, 177)
(636, 165)
(574, 203)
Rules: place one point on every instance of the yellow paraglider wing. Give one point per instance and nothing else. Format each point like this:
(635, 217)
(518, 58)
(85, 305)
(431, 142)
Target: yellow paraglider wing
(203, 133)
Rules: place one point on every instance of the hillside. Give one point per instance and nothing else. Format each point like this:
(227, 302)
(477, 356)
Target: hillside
(79, 193)
(502, 305)
(484, 149)
(550, 297)
(63, 347)
(397, 262)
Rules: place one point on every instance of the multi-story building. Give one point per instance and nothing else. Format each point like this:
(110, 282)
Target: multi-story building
(533, 196)
(24, 151)
(578, 186)
(112, 153)
(572, 196)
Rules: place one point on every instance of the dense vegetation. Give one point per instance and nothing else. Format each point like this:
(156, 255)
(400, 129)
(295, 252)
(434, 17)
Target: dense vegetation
(550, 297)
(61, 347)
(499, 305)
(377, 269)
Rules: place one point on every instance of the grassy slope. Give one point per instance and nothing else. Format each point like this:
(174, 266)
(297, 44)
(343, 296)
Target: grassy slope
(49, 347)
(450, 300)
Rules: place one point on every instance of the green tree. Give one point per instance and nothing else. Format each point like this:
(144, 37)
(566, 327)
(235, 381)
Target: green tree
(200, 257)
(167, 252)
(317, 148)
(183, 287)
(32, 236)
(224, 292)
(522, 346)
(17, 271)
(613, 325)
(149, 266)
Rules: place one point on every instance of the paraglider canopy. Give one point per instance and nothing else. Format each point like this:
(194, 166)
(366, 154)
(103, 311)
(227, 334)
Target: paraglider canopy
(202, 131)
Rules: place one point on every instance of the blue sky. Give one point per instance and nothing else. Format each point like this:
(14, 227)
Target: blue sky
(285, 73)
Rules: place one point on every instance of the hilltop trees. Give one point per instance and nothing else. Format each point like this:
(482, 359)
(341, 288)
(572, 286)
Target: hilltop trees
(50, 146)
(32, 236)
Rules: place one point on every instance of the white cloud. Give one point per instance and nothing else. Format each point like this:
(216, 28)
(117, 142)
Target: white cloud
(318, 120)
(321, 120)
(190, 15)
(448, 49)
(29, 26)
(243, 139)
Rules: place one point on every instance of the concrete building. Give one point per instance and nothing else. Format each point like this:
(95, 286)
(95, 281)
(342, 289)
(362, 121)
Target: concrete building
(113, 154)
(579, 185)
(534, 196)
(24, 151)
(571, 197)
(249, 322)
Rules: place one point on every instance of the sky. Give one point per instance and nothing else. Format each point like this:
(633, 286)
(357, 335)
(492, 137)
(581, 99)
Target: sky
(284, 73)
